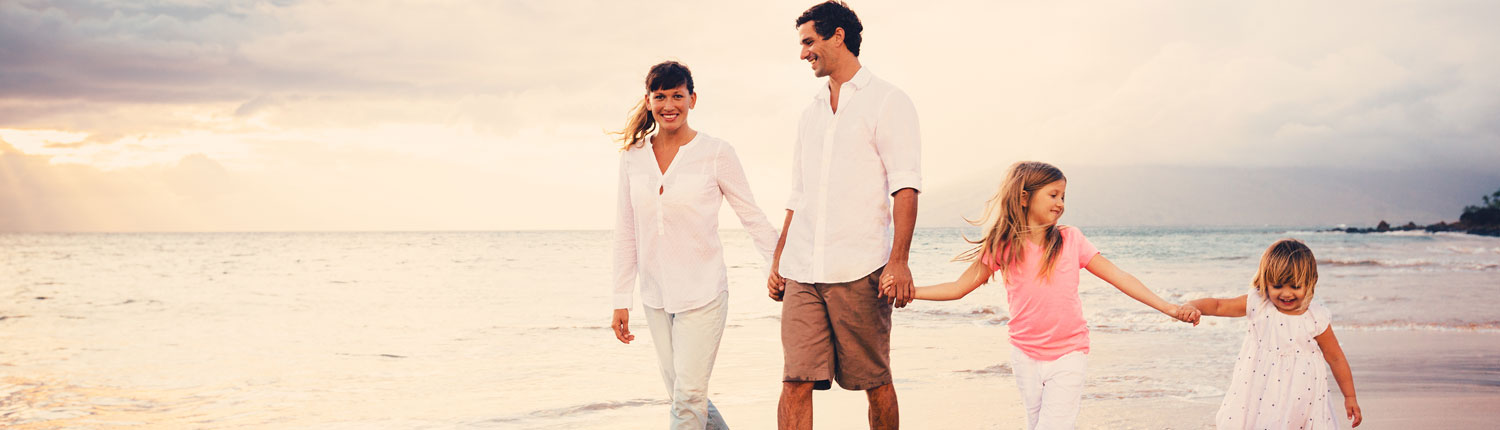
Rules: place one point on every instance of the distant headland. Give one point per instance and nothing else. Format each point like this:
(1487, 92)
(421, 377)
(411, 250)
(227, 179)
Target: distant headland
(1483, 219)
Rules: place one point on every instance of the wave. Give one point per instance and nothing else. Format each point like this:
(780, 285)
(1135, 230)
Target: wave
(557, 327)
(1477, 250)
(1341, 262)
(1229, 258)
(980, 311)
(1464, 327)
(992, 315)
(1183, 393)
(569, 411)
(1480, 267)
(998, 369)
(1415, 264)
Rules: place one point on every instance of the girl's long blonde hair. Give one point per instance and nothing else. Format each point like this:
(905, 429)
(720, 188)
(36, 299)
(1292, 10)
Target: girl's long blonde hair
(663, 76)
(1004, 221)
(1288, 262)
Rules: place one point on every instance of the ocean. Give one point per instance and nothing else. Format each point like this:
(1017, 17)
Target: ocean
(508, 330)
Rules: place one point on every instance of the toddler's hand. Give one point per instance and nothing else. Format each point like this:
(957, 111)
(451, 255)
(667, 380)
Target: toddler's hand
(1188, 314)
(1351, 407)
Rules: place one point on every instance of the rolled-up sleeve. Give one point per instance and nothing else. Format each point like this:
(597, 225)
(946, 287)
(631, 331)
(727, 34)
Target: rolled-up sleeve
(625, 246)
(898, 138)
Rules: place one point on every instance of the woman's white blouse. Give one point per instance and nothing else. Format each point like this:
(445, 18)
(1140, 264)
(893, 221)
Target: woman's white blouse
(667, 228)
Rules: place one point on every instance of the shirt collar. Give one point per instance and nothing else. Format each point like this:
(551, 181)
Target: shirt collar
(860, 80)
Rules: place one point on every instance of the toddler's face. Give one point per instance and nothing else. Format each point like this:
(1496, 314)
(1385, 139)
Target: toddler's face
(1287, 298)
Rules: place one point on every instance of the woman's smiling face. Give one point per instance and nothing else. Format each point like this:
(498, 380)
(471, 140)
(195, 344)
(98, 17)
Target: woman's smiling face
(670, 106)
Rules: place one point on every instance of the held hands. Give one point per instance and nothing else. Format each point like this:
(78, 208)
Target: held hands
(620, 323)
(1187, 314)
(776, 284)
(1351, 407)
(896, 285)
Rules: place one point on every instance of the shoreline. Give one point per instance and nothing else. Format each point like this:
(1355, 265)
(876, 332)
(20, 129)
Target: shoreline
(1135, 382)
(1398, 387)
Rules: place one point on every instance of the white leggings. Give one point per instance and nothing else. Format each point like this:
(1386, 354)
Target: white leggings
(686, 345)
(1051, 390)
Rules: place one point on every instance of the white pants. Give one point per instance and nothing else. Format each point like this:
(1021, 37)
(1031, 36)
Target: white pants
(686, 345)
(1051, 390)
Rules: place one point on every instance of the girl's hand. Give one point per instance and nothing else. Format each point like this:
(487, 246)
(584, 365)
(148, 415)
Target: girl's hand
(1351, 407)
(902, 291)
(1188, 314)
(887, 285)
(621, 325)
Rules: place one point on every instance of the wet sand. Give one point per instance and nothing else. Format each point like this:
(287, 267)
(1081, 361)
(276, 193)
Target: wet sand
(1405, 380)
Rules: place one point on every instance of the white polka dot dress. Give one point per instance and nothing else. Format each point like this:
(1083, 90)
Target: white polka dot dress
(1280, 379)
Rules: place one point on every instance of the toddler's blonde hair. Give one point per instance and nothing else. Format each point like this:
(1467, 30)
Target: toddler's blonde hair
(1288, 262)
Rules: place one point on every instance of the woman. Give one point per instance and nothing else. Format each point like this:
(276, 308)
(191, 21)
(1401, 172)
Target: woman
(672, 183)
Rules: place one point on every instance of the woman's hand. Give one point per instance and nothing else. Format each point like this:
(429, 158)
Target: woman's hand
(775, 284)
(621, 325)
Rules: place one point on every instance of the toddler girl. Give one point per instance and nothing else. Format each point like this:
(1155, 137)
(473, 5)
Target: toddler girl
(1279, 380)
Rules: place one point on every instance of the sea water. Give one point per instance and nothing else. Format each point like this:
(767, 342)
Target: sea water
(414, 330)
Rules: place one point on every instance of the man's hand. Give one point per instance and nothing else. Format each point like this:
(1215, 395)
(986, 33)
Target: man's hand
(776, 284)
(897, 287)
(621, 325)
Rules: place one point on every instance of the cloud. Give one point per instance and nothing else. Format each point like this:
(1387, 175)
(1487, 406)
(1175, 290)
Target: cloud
(123, 52)
(306, 186)
(433, 96)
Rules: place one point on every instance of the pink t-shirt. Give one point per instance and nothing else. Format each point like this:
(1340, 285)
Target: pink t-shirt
(1046, 315)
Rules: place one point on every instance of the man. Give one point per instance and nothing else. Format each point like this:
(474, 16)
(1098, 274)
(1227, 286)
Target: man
(858, 147)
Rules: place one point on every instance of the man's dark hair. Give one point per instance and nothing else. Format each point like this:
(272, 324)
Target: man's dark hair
(831, 15)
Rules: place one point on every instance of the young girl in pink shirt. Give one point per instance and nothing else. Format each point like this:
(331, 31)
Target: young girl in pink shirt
(1039, 262)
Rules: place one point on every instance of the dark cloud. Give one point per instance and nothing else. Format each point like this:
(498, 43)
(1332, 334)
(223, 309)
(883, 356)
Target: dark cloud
(106, 51)
(150, 52)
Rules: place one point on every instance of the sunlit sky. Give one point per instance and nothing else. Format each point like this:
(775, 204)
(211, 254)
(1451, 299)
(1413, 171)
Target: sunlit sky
(491, 115)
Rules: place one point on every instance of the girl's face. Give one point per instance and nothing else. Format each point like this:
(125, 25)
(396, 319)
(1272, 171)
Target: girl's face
(1045, 206)
(669, 107)
(1287, 298)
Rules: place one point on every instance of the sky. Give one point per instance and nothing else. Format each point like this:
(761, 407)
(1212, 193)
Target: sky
(493, 115)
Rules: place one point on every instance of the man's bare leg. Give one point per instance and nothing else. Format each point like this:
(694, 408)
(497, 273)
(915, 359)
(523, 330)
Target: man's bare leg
(884, 413)
(795, 410)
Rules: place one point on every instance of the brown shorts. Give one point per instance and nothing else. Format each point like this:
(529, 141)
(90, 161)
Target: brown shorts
(837, 332)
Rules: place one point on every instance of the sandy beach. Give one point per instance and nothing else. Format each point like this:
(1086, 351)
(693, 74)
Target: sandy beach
(1401, 383)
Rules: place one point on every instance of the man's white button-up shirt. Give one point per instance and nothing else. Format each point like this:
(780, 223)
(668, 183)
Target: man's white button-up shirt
(845, 167)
